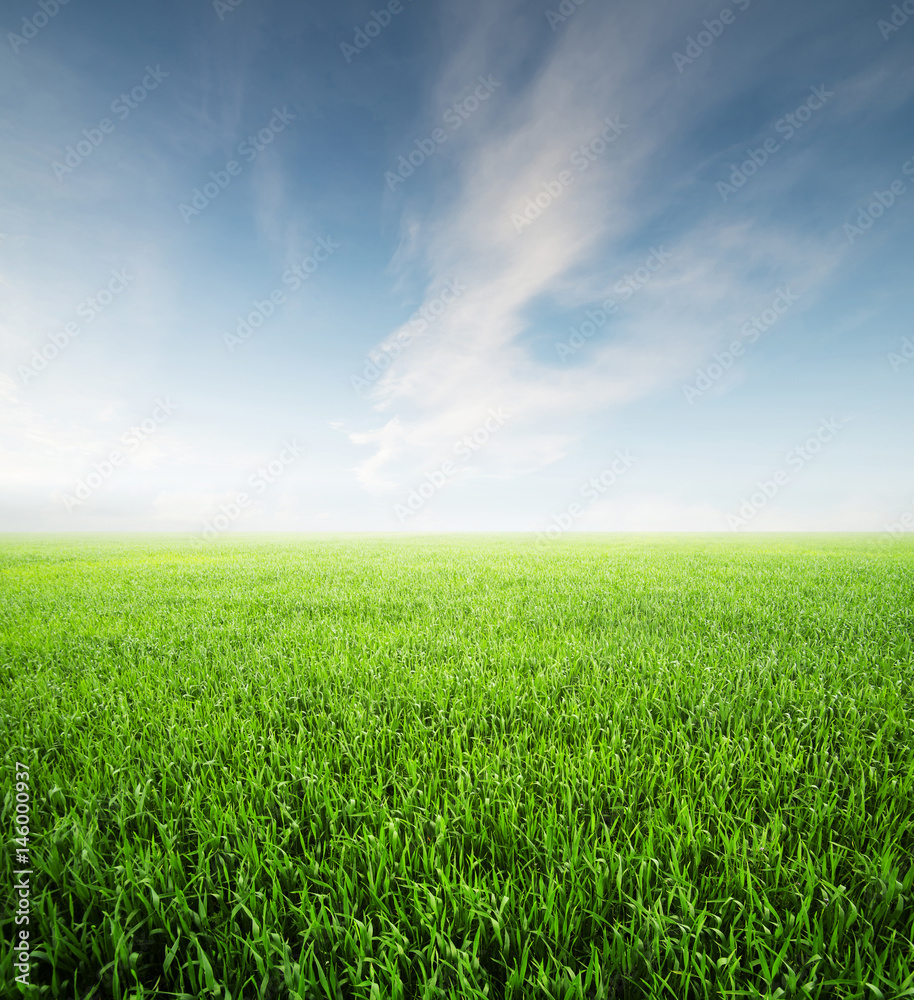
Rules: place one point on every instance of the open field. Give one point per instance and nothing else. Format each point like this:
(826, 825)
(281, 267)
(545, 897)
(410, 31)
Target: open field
(360, 767)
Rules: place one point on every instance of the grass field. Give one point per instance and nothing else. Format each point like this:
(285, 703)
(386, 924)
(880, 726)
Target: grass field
(373, 767)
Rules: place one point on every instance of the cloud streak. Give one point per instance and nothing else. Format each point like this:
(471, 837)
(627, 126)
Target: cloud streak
(581, 241)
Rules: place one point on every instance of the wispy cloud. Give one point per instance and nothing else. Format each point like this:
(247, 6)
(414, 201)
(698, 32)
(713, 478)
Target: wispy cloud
(572, 252)
(527, 256)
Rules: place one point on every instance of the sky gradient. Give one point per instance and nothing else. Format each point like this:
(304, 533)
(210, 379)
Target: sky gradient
(487, 266)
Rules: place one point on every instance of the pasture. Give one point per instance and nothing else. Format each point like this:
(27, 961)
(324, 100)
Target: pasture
(461, 766)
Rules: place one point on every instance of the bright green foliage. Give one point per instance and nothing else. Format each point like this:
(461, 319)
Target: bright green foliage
(396, 767)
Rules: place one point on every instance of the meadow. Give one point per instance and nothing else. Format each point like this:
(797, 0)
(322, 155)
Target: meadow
(460, 767)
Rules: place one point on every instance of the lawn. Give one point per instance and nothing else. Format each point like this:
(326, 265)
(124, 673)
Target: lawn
(402, 766)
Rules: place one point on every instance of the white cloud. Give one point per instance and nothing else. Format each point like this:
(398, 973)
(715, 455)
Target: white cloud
(474, 357)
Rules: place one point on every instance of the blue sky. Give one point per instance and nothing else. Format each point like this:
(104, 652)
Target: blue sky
(439, 267)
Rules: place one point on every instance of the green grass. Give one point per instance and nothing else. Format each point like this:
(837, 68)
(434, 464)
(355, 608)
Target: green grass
(605, 767)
